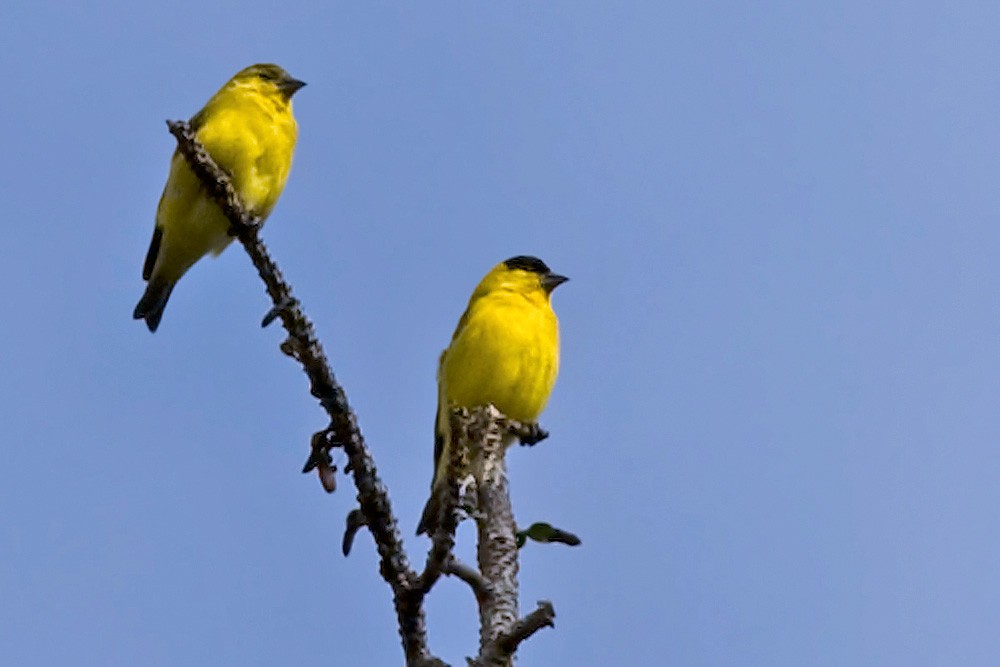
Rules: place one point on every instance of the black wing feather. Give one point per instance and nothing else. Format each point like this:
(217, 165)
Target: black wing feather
(152, 253)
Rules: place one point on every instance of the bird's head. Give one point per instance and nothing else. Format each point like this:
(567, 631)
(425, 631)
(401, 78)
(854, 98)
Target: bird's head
(269, 77)
(522, 274)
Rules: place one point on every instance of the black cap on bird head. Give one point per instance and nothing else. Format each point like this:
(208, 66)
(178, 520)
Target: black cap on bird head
(549, 280)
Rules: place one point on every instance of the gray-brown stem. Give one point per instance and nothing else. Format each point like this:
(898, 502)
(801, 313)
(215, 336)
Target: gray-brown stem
(497, 550)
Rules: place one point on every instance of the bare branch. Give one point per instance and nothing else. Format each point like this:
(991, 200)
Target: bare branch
(343, 430)
(500, 651)
(485, 430)
(497, 548)
(469, 575)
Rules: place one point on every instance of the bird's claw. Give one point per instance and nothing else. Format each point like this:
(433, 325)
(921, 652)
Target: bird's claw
(532, 434)
(276, 311)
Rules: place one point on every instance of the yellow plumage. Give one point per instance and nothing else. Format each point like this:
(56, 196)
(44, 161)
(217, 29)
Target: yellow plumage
(505, 352)
(249, 130)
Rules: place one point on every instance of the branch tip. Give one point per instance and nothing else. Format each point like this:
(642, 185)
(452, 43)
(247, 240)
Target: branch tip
(355, 521)
(506, 644)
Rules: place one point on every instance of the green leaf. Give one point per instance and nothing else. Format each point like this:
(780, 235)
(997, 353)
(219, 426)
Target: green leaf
(546, 533)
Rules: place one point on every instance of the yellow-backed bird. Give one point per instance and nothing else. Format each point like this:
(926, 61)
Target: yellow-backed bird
(505, 352)
(249, 130)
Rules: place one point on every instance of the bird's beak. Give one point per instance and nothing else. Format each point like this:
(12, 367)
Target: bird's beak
(550, 281)
(289, 86)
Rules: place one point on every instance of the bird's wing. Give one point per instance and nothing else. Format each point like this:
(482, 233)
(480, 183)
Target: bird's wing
(152, 253)
(440, 429)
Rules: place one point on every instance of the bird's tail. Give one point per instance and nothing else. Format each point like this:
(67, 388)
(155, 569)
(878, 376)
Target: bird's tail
(153, 301)
(431, 515)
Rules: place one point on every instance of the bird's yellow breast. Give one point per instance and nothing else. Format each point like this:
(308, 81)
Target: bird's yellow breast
(506, 352)
(250, 135)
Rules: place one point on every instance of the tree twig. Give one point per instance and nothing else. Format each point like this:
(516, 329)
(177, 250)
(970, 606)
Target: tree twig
(343, 430)
(469, 575)
(501, 649)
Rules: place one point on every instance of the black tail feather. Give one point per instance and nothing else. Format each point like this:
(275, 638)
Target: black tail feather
(153, 301)
(431, 515)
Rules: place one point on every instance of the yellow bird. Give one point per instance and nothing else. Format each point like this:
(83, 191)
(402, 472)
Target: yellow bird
(505, 352)
(249, 130)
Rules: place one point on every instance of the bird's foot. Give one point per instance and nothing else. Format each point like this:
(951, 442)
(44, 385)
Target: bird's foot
(277, 310)
(529, 434)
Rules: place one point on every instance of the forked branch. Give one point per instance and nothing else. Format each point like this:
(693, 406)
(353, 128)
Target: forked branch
(480, 439)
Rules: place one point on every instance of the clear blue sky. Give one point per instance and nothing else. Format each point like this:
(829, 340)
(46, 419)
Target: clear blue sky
(776, 427)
